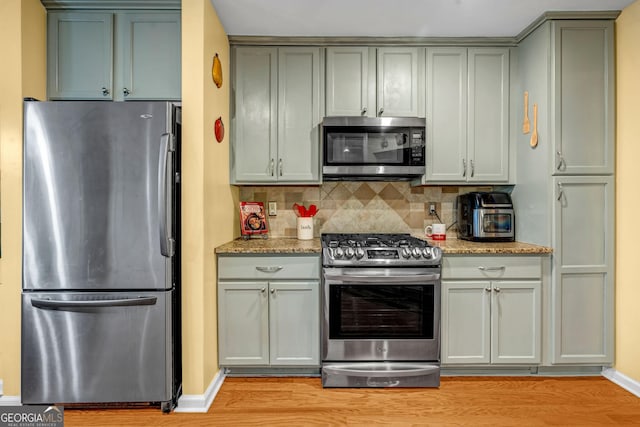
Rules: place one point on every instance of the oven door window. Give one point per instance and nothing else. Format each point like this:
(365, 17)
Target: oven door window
(367, 148)
(496, 223)
(381, 311)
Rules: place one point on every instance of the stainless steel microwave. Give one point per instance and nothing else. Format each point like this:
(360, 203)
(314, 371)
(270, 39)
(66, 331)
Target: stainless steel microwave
(373, 148)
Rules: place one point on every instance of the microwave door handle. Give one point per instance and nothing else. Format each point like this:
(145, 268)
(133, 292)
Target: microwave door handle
(398, 278)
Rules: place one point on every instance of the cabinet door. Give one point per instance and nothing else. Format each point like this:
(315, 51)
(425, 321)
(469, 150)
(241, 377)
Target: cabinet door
(488, 115)
(347, 81)
(298, 114)
(466, 318)
(243, 323)
(254, 148)
(584, 97)
(294, 309)
(446, 114)
(149, 56)
(397, 82)
(582, 294)
(80, 55)
(516, 322)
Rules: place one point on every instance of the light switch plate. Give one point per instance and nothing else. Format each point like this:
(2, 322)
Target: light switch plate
(273, 209)
(1, 388)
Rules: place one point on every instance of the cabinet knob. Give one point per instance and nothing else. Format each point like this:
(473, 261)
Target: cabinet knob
(496, 289)
(126, 91)
(380, 111)
(560, 192)
(497, 268)
(364, 111)
(105, 91)
(273, 291)
(263, 290)
(487, 289)
(561, 165)
(269, 269)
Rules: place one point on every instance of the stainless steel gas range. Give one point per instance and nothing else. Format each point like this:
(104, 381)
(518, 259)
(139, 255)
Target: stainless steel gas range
(381, 311)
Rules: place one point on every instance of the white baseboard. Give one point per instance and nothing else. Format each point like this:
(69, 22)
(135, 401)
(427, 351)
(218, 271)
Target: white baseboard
(622, 380)
(10, 401)
(201, 402)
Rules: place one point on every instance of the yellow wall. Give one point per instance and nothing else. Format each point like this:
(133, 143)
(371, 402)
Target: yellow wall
(22, 74)
(208, 200)
(627, 202)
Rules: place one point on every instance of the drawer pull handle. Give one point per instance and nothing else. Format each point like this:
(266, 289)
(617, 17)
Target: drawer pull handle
(502, 267)
(272, 269)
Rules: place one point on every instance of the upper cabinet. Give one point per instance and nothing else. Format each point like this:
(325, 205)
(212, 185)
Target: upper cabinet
(583, 97)
(276, 115)
(114, 55)
(467, 105)
(369, 81)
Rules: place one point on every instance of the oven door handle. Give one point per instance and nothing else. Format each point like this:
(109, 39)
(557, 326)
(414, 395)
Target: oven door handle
(396, 278)
(353, 370)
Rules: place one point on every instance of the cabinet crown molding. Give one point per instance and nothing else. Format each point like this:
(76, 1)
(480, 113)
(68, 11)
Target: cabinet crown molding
(112, 4)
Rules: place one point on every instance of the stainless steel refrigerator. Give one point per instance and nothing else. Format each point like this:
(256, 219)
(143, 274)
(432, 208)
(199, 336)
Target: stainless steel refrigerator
(101, 253)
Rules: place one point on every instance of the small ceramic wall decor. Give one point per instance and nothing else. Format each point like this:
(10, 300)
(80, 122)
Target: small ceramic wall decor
(216, 71)
(219, 129)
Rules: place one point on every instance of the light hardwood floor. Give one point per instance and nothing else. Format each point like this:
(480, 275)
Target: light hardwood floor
(473, 401)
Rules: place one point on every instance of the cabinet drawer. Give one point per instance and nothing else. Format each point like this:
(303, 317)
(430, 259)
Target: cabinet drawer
(491, 267)
(268, 267)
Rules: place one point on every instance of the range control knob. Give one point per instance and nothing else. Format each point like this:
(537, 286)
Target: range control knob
(406, 253)
(338, 253)
(426, 252)
(416, 252)
(359, 253)
(349, 253)
(436, 253)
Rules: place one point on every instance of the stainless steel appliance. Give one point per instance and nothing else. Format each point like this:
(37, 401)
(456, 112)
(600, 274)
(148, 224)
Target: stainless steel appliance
(373, 148)
(101, 253)
(381, 311)
(486, 216)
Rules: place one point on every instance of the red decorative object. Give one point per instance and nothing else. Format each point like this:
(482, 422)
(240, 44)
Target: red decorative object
(252, 218)
(219, 129)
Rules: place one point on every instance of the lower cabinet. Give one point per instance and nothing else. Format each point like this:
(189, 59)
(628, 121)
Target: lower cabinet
(268, 323)
(491, 310)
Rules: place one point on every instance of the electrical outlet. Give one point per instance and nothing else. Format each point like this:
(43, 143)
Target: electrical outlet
(432, 208)
(273, 209)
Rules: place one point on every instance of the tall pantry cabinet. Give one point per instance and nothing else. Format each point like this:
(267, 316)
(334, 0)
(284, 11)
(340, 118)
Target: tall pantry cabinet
(564, 193)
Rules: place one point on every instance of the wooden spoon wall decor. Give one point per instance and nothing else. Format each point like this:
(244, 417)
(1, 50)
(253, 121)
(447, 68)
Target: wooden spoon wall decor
(534, 135)
(526, 126)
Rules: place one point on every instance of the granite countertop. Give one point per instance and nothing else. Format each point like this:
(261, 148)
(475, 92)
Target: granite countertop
(450, 246)
(271, 246)
(465, 247)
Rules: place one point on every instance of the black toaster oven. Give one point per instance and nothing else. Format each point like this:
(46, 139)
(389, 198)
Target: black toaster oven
(486, 216)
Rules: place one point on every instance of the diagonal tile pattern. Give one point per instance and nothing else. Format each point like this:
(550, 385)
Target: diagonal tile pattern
(360, 207)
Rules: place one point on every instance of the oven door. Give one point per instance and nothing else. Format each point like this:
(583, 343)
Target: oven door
(381, 314)
(494, 224)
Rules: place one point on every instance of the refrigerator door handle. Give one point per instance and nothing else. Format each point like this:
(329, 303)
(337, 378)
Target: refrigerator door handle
(49, 304)
(166, 242)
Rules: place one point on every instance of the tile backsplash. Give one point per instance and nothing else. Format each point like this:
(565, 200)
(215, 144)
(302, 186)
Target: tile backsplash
(360, 207)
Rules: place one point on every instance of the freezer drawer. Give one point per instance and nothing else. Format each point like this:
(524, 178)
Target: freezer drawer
(81, 347)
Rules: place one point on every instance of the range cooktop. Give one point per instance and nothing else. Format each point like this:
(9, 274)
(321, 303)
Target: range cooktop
(381, 249)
